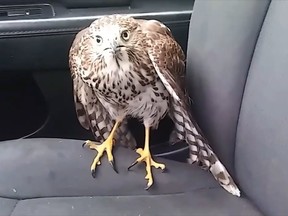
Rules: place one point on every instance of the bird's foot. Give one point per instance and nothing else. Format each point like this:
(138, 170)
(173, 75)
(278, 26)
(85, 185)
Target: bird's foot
(146, 157)
(106, 146)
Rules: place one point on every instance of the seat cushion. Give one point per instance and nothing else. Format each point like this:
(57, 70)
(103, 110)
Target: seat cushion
(52, 177)
(261, 149)
(221, 42)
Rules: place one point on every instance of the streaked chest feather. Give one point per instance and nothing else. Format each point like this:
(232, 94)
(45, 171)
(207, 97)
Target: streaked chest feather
(118, 85)
(122, 81)
(127, 87)
(150, 103)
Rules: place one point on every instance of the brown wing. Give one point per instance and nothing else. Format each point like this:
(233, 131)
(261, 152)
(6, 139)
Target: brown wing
(77, 84)
(156, 30)
(90, 111)
(168, 59)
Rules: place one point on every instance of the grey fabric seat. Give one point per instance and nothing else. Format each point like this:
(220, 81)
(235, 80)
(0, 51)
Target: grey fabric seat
(236, 69)
(52, 177)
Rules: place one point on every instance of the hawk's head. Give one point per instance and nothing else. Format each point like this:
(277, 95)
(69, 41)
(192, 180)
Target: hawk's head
(114, 38)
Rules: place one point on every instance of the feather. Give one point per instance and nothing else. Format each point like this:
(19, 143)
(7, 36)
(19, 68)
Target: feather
(163, 78)
(170, 68)
(91, 114)
(161, 59)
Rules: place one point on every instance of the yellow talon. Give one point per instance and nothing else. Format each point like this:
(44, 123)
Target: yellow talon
(146, 157)
(106, 146)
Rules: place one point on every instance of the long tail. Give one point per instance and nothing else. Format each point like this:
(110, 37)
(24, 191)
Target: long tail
(200, 153)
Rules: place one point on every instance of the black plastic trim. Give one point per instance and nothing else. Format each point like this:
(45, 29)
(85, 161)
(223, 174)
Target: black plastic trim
(72, 20)
(27, 11)
(43, 44)
(34, 27)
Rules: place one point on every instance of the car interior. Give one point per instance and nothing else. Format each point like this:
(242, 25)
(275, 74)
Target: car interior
(236, 58)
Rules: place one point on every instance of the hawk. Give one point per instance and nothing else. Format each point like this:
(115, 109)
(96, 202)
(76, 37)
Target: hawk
(125, 67)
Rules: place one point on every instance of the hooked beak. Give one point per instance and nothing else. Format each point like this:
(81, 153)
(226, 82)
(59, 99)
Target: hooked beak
(113, 48)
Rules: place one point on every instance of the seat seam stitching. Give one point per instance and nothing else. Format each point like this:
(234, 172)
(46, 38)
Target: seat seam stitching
(134, 195)
(14, 207)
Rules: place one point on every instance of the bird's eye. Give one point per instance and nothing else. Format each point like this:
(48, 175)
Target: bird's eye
(98, 39)
(125, 35)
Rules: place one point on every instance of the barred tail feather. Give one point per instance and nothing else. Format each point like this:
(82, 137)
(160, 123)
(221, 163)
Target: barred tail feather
(102, 125)
(125, 136)
(222, 176)
(200, 151)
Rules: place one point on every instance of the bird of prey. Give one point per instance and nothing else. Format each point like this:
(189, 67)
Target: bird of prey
(125, 67)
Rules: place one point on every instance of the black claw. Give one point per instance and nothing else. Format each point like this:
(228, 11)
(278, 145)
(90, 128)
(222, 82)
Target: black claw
(93, 172)
(132, 165)
(147, 188)
(113, 166)
(83, 145)
(164, 170)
